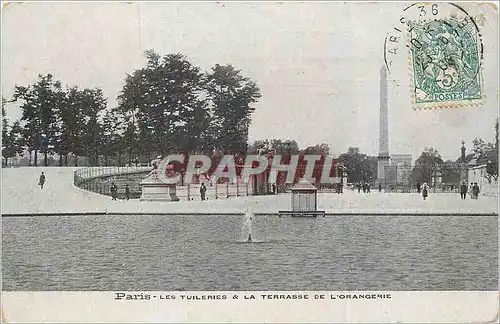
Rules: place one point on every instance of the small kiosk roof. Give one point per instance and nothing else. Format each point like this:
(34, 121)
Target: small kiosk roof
(304, 185)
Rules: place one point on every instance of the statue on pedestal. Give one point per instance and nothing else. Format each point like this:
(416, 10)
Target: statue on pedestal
(156, 166)
(155, 188)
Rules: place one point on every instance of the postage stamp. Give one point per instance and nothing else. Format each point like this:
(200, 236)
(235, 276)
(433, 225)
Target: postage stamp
(445, 63)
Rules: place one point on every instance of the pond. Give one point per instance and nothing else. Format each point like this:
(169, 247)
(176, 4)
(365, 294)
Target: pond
(175, 253)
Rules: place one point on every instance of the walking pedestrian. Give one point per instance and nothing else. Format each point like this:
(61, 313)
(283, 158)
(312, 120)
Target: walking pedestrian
(418, 187)
(463, 190)
(41, 181)
(380, 187)
(475, 190)
(359, 187)
(127, 192)
(425, 189)
(274, 188)
(470, 190)
(114, 190)
(203, 190)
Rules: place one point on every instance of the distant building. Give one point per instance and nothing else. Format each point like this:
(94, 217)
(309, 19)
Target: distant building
(488, 185)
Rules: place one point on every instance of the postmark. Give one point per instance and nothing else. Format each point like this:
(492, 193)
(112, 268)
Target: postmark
(445, 63)
(442, 55)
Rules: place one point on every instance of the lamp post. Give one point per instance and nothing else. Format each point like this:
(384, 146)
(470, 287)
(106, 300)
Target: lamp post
(44, 144)
(463, 165)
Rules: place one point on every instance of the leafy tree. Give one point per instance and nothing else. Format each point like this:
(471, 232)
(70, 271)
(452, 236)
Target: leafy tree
(426, 166)
(94, 104)
(450, 172)
(82, 130)
(359, 166)
(11, 137)
(278, 146)
(318, 149)
(110, 138)
(164, 98)
(40, 102)
(128, 142)
(64, 120)
(231, 96)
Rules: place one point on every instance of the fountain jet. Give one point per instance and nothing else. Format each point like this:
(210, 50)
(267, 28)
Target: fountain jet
(248, 223)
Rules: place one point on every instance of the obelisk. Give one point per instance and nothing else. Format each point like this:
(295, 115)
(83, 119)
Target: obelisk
(383, 156)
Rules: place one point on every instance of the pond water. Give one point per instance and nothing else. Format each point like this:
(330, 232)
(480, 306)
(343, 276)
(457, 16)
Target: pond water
(172, 253)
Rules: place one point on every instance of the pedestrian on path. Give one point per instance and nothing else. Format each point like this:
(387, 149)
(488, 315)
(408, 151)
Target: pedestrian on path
(470, 190)
(463, 190)
(419, 188)
(114, 190)
(41, 181)
(127, 192)
(425, 188)
(475, 191)
(203, 190)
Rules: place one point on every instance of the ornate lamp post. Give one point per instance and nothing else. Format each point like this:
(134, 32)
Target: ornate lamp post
(463, 165)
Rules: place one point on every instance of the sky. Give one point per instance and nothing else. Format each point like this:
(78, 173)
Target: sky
(317, 64)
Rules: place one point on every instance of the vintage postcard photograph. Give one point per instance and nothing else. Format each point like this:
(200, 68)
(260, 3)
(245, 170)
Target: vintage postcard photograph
(249, 162)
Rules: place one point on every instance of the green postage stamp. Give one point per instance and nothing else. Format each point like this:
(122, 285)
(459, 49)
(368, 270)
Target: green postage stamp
(445, 63)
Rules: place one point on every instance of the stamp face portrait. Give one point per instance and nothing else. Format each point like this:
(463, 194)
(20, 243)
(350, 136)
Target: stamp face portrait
(445, 62)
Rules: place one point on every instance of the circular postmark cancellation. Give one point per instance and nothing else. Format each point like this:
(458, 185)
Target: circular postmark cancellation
(445, 52)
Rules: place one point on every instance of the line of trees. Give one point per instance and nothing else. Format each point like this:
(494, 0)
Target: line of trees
(169, 105)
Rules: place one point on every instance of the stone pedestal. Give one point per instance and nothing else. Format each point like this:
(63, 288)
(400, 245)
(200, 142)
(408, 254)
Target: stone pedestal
(156, 190)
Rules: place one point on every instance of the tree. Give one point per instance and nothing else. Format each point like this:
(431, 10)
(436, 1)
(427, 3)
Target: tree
(278, 146)
(318, 149)
(93, 105)
(231, 96)
(82, 131)
(64, 121)
(450, 172)
(11, 137)
(164, 99)
(359, 167)
(426, 166)
(110, 139)
(40, 102)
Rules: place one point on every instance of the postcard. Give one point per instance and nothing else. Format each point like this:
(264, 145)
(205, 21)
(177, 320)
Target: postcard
(250, 162)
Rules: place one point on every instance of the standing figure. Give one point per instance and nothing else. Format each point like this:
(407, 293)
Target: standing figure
(418, 187)
(114, 190)
(359, 187)
(463, 190)
(127, 192)
(470, 190)
(368, 187)
(274, 188)
(425, 188)
(379, 187)
(41, 181)
(203, 190)
(475, 191)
